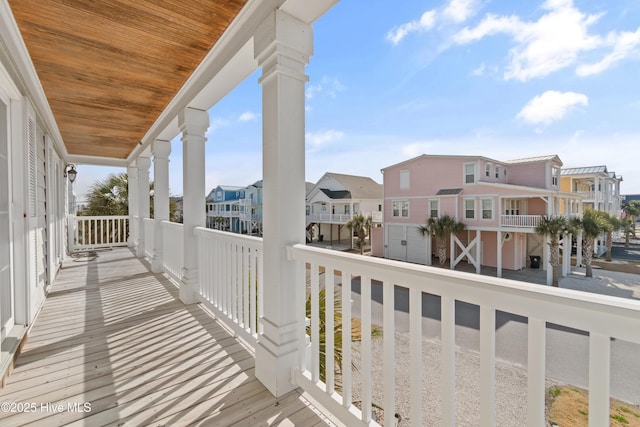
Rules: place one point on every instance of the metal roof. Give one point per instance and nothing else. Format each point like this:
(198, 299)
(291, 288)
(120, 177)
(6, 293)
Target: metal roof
(535, 159)
(589, 170)
(449, 191)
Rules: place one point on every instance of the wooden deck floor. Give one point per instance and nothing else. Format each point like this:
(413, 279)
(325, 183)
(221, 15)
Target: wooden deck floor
(113, 345)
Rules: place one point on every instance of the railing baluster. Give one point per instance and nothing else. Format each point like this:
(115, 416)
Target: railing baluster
(415, 350)
(487, 365)
(260, 301)
(599, 379)
(252, 294)
(365, 349)
(448, 392)
(346, 339)
(301, 314)
(239, 276)
(389, 353)
(246, 285)
(329, 328)
(315, 327)
(232, 284)
(536, 371)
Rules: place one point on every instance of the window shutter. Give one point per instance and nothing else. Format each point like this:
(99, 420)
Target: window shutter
(33, 165)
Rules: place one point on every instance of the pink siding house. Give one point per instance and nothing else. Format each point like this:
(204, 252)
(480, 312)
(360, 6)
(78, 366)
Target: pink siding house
(500, 202)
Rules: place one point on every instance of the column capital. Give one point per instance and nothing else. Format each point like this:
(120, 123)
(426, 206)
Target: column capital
(283, 45)
(143, 164)
(161, 149)
(193, 122)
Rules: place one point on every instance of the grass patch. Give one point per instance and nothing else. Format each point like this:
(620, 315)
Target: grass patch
(569, 406)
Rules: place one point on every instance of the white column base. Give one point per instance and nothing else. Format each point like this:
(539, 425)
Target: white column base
(189, 287)
(274, 361)
(156, 263)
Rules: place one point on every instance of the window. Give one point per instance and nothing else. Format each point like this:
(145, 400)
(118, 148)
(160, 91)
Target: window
(469, 173)
(433, 209)
(404, 179)
(487, 208)
(497, 171)
(487, 170)
(470, 209)
(346, 209)
(555, 172)
(400, 208)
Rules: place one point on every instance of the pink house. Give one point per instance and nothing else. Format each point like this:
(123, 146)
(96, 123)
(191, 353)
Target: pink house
(500, 202)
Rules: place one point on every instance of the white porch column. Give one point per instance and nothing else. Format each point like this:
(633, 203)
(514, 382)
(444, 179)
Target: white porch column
(282, 46)
(499, 254)
(193, 125)
(143, 164)
(161, 151)
(132, 183)
(478, 251)
(566, 255)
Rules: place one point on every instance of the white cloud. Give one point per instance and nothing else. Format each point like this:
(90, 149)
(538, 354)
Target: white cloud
(551, 106)
(323, 138)
(247, 116)
(624, 44)
(425, 23)
(459, 10)
(329, 86)
(551, 43)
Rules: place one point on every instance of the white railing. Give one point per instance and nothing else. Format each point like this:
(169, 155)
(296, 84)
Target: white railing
(172, 248)
(601, 317)
(230, 269)
(93, 232)
(149, 236)
(520, 221)
(341, 218)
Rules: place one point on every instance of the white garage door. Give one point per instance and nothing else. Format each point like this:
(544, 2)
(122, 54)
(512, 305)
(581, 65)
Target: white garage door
(416, 246)
(396, 247)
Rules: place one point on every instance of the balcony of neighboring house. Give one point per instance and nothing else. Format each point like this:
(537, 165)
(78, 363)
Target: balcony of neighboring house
(334, 218)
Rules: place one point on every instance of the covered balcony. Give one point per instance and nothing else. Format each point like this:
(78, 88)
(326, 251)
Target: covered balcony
(189, 325)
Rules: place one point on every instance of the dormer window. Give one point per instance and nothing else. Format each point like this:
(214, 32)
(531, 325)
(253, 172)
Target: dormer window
(497, 172)
(469, 173)
(487, 170)
(555, 174)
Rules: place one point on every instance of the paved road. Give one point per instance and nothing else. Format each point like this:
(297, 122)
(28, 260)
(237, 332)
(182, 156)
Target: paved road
(626, 254)
(567, 349)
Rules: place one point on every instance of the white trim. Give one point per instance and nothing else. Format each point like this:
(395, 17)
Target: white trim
(400, 210)
(464, 173)
(481, 209)
(464, 208)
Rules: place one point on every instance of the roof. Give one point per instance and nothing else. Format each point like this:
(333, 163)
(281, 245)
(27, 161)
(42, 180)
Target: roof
(110, 68)
(229, 187)
(340, 194)
(449, 191)
(360, 187)
(537, 159)
(589, 170)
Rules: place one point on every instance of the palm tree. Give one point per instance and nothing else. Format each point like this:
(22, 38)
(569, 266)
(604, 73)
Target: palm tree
(362, 226)
(592, 224)
(613, 223)
(356, 334)
(441, 228)
(553, 227)
(632, 211)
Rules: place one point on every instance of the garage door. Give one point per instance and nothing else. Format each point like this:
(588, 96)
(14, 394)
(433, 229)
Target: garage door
(396, 248)
(406, 243)
(416, 246)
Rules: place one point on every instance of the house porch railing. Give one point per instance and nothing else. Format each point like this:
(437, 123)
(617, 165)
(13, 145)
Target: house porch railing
(95, 232)
(341, 218)
(231, 286)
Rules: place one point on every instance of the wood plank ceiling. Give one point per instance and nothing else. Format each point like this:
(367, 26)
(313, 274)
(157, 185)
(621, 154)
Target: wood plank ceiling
(110, 67)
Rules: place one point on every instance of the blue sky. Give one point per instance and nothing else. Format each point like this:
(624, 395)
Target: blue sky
(500, 78)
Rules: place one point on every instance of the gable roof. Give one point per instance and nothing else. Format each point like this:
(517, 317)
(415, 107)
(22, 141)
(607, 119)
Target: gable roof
(359, 187)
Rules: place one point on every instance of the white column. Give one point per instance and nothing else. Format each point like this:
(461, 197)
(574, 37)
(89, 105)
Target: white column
(143, 164)
(282, 46)
(161, 151)
(193, 125)
(566, 255)
(499, 254)
(546, 249)
(478, 251)
(132, 183)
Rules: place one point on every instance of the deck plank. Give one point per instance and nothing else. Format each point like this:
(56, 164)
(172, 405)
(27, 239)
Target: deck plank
(116, 336)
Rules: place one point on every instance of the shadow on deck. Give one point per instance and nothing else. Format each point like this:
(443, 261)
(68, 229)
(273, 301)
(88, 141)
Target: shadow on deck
(113, 345)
